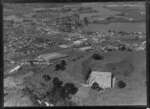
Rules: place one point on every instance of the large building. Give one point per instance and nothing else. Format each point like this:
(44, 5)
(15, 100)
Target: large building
(104, 79)
(52, 56)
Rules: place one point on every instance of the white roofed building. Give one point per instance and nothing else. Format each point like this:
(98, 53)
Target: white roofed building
(104, 79)
(52, 56)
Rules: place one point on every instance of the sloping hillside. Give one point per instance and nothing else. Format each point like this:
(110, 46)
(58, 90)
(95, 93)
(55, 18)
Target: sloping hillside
(128, 67)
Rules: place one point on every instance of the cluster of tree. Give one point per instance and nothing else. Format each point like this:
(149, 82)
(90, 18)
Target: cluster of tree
(61, 93)
(97, 56)
(58, 95)
(61, 66)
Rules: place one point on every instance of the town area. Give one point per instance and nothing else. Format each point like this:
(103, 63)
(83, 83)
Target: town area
(74, 54)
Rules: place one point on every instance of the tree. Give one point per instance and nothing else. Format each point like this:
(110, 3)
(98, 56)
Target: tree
(57, 83)
(122, 48)
(94, 85)
(62, 67)
(57, 67)
(129, 49)
(63, 62)
(86, 22)
(69, 88)
(96, 56)
(121, 84)
(31, 63)
(46, 78)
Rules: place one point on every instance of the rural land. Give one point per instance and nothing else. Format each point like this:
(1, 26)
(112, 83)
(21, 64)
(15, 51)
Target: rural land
(74, 54)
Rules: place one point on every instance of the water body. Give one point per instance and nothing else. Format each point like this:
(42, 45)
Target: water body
(103, 12)
(127, 27)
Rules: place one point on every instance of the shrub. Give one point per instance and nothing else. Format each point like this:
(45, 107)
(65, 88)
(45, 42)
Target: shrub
(95, 85)
(122, 48)
(31, 62)
(62, 67)
(129, 49)
(63, 62)
(121, 84)
(86, 22)
(96, 56)
(46, 77)
(57, 67)
(57, 83)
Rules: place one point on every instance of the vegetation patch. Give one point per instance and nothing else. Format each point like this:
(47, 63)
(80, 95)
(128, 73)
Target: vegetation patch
(121, 84)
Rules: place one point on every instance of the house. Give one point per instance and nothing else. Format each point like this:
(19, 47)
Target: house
(104, 79)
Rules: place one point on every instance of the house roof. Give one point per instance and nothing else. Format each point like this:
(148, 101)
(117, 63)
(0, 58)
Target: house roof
(102, 78)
